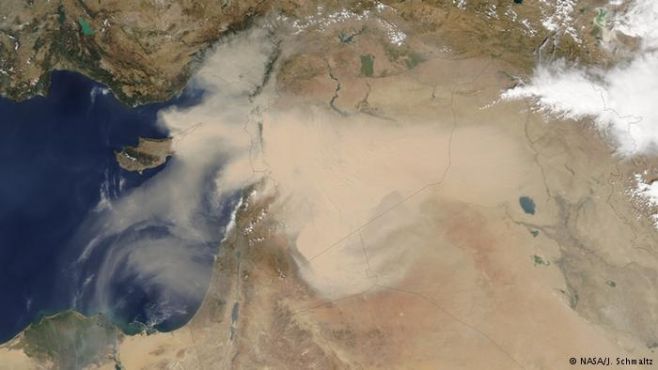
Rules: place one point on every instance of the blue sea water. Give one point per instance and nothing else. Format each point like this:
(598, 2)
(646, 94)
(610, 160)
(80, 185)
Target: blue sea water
(56, 159)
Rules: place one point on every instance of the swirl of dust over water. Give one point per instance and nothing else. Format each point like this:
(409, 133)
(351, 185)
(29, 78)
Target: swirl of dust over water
(158, 237)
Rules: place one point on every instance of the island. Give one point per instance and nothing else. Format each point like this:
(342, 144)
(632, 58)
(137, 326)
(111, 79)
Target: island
(149, 153)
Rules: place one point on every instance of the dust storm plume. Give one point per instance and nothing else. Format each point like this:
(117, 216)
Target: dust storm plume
(331, 175)
(348, 189)
(161, 237)
(341, 182)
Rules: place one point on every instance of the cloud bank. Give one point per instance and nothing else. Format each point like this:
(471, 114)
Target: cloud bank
(621, 101)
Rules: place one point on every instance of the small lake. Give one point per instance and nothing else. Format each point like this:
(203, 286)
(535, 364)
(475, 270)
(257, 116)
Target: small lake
(527, 204)
(58, 167)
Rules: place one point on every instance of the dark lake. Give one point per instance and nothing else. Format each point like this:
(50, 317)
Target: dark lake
(527, 204)
(56, 162)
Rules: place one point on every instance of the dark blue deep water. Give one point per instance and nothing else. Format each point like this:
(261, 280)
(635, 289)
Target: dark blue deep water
(56, 153)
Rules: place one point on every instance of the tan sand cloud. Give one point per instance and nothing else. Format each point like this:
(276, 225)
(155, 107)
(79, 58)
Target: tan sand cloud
(339, 178)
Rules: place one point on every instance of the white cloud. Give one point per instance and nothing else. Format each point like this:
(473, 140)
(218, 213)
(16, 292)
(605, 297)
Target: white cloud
(560, 18)
(622, 100)
(640, 21)
(646, 194)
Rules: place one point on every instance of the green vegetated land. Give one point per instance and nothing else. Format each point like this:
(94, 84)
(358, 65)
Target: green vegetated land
(70, 339)
(367, 65)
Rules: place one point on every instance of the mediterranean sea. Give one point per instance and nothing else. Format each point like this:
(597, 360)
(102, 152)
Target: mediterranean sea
(57, 169)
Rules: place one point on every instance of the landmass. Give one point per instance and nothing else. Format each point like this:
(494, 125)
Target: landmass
(509, 243)
(66, 340)
(143, 51)
(146, 51)
(149, 153)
